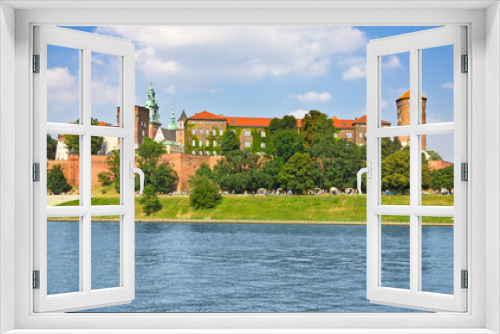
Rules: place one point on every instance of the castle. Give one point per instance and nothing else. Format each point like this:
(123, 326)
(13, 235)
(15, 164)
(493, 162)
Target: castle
(191, 141)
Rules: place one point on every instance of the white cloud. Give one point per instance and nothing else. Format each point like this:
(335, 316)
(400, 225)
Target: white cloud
(58, 77)
(312, 97)
(354, 68)
(170, 89)
(104, 92)
(384, 103)
(62, 88)
(448, 85)
(203, 55)
(299, 113)
(392, 62)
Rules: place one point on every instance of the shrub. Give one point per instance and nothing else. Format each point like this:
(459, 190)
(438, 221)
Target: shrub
(104, 178)
(150, 201)
(56, 181)
(204, 193)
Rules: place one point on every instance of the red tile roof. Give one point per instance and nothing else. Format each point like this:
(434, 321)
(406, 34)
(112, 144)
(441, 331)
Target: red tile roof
(362, 120)
(206, 115)
(407, 96)
(248, 121)
(342, 123)
(264, 122)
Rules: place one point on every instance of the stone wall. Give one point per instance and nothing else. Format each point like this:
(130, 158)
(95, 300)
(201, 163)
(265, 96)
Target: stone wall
(184, 164)
(71, 168)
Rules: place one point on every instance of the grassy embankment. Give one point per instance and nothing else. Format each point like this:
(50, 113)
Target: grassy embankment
(325, 208)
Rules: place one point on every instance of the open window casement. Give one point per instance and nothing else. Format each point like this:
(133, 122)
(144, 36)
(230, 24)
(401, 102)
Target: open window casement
(416, 132)
(82, 292)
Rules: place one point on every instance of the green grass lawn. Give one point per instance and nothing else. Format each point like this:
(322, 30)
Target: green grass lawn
(348, 209)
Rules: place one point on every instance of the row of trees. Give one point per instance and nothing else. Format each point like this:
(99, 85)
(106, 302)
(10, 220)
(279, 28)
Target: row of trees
(314, 158)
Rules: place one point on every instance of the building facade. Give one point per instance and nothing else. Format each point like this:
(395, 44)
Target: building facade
(204, 131)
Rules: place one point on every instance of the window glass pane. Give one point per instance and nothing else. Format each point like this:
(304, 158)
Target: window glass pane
(394, 89)
(105, 88)
(437, 254)
(395, 250)
(63, 255)
(63, 169)
(395, 172)
(437, 84)
(438, 170)
(105, 252)
(63, 84)
(105, 170)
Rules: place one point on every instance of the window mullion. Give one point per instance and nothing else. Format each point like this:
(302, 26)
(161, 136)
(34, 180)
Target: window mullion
(415, 275)
(85, 172)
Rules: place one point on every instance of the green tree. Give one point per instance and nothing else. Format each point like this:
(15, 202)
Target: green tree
(390, 147)
(73, 141)
(205, 170)
(229, 142)
(308, 123)
(204, 193)
(443, 178)
(274, 126)
(340, 170)
(56, 181)
(161, 176)
(164, 179)
(323, 140)
(286, 143)
(236, 171)
(434, 156)
(149, 200)
(104, 178)
(113, 162)
(51, 148)
(289, 122)
(297, 174)
(396, 171)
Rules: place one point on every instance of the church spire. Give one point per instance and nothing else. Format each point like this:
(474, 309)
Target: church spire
(172, 125)
(154, 115)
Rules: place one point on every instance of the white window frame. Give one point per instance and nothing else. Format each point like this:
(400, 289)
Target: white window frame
(86, 296)
(414, 43)
(484, 245)
(248, 133)
(348, 135)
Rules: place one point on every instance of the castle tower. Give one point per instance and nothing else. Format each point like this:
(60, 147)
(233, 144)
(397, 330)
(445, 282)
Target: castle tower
(403, 107)
(154, 115)
(182, 120)
(180, 128)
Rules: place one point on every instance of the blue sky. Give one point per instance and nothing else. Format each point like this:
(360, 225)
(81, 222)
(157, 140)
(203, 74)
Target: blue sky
(252, 71)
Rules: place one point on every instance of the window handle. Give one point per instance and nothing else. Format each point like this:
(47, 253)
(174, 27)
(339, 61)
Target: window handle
(133, 171)
(366, 170)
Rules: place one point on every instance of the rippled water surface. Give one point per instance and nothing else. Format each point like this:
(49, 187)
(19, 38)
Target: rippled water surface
(183, 267)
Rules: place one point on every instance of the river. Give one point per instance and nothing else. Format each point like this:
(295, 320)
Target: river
(186, 267)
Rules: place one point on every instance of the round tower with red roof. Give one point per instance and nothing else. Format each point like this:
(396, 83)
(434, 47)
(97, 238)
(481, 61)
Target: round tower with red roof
(403, 107)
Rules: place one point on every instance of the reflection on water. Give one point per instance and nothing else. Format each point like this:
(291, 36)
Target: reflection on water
(256, 267)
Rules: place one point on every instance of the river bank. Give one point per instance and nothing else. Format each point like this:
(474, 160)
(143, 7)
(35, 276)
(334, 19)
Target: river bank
(324, 209)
